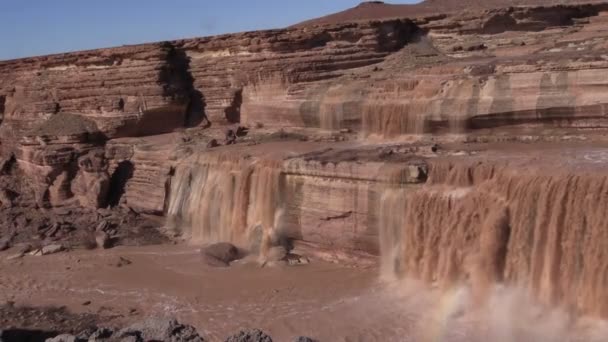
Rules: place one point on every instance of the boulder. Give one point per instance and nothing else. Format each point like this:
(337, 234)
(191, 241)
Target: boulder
(242, 131)
(52, 249)
(230, 137)
(92, 183)
(212, 143)
(102, 240)
(4, 244)
(101, 333)
(20, 251)
(304, 339)
(161, 329)
(253, 335)
(64, 338)
(220, 254)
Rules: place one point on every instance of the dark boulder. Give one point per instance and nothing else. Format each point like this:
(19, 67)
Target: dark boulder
(212, 143)
(220, 254)
(4, 244)
(253, 335)
(242, 131)
(161, 329)
(230, 137)
(304, 339)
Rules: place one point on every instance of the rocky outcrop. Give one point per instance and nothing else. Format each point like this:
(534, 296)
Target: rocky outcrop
(122, 90)
(375, 10)
(257, 201)
(57, 108)
(139, 127)
(220, 254)
(457, 73)
(532, 67)
(92, 183)
(140, 170)
(160, 329)
(253, 335)
(223, 66)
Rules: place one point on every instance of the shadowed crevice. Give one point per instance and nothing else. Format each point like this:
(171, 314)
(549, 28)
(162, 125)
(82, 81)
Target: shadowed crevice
(233, 112)
(118, 182)
(181, 80)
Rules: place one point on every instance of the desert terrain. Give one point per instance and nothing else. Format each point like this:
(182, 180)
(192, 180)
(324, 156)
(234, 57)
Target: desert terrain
(429, 172)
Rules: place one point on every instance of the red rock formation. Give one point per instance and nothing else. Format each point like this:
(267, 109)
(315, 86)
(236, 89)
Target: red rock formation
(128, 127)
(222, 66)
(374, 10)
(116, 88)
(466, 73)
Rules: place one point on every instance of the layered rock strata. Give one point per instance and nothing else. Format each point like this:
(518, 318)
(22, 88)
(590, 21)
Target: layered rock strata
(261, 200)
(127, 127)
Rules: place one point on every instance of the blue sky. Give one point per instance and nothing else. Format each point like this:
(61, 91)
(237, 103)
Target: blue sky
(38, 27)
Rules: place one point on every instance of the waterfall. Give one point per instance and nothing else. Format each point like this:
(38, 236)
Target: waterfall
(479, 226)
(216, 198)
(388, 119)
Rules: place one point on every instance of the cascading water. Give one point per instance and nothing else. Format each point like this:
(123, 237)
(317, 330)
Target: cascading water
(478, 225)
(215, 198)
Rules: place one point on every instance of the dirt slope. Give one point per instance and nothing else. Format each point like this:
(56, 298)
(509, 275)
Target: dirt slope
(379, 10)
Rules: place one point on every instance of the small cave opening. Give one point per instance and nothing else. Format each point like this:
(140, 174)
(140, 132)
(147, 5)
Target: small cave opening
(118, 182)
(233, 113)
(195, 112)
(121, 105)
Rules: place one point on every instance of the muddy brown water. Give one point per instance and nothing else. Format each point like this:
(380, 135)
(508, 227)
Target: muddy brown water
(327, 301)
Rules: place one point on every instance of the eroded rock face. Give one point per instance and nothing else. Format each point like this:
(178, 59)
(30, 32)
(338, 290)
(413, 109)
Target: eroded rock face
(161, 329)
(379, 78)
(122, 90)
(92, 183)
(468, 72)
(253, 335)
(127, 127)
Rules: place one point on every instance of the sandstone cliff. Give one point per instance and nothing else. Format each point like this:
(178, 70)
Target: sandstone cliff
(367, 136)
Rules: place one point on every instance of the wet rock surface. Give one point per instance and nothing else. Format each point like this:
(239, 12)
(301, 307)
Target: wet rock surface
(220, 254)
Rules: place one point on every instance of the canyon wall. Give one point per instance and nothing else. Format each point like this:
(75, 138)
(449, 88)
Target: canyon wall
(254, 200)
(412, 75)
(348, 146)
(463, 73)
(58, 108)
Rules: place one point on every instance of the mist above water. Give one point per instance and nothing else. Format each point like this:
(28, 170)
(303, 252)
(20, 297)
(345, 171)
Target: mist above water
(507, 315)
